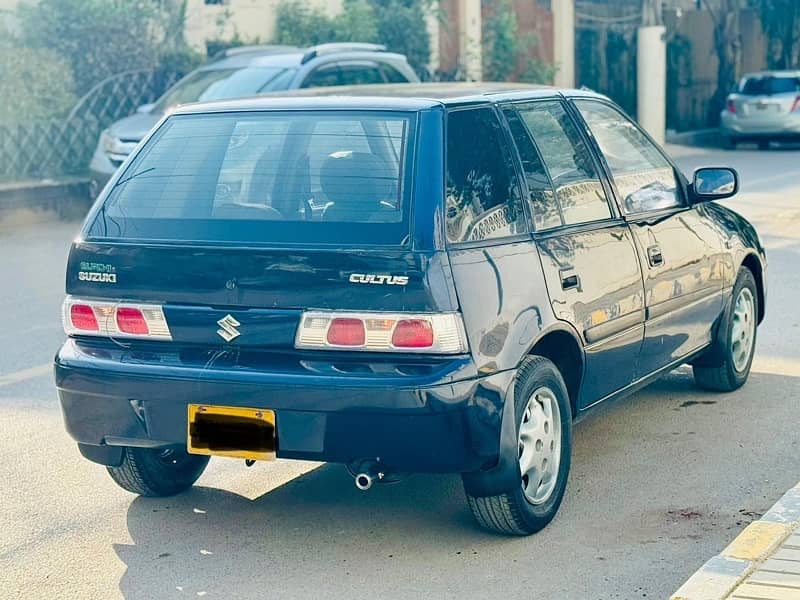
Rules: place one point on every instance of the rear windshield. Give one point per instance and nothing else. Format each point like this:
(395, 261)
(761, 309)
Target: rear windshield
(765, 86)
(267, 177)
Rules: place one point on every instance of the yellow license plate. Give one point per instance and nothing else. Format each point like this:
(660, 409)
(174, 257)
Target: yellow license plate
(231, 431)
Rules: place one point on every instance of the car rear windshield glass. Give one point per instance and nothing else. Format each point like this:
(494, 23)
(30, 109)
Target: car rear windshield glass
(759, 86)
(220, 84)
(267, 177)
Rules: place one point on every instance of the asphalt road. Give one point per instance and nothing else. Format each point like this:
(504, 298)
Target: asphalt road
(661, 481)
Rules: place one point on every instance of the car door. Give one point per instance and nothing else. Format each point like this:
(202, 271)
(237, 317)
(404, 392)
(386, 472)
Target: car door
(680, 250)
(591, 267)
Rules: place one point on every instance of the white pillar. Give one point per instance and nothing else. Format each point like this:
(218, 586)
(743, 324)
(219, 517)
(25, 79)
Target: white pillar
(564, 42)
(651, 80)
(470, 38)
(432, 25)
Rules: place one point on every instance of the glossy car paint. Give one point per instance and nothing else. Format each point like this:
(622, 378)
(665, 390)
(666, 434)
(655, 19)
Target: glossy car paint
(415, 413)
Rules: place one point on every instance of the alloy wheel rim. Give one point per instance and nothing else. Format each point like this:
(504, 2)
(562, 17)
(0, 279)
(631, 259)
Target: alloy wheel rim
(539, 445)
(743, 329)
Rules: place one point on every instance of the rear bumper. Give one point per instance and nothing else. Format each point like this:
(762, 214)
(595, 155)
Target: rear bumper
(431, 423)
(781, 126)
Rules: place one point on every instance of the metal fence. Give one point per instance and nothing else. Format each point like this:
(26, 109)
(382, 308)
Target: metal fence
(60, 147)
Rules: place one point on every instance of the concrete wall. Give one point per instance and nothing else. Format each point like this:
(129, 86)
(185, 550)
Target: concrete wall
(693, 79)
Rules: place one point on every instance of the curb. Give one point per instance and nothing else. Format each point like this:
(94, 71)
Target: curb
(719, 576)
(67, 197)
(696, 137)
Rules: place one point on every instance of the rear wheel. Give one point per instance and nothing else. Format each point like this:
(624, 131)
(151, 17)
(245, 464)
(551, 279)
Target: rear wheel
(728, 367)
(158, 471)
(544, 447)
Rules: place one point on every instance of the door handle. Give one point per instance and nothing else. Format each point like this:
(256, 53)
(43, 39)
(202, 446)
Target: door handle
(654, 256)
(569, 279)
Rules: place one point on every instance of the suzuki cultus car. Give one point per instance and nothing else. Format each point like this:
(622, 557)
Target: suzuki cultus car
(440, 279)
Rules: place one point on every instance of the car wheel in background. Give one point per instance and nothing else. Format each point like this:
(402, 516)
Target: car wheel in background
(158, 471)
(544, 446)
(727, 366)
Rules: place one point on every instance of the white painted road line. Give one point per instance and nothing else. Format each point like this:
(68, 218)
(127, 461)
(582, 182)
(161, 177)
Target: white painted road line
(26, 374)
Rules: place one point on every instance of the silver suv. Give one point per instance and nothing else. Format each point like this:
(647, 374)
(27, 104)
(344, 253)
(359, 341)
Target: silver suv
(250, 71)
(765, 107)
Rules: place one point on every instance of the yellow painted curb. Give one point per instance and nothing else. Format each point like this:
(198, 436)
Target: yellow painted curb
(757, 540)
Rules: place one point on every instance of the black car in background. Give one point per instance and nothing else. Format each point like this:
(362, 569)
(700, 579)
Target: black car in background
(439, 278)
(249, 71)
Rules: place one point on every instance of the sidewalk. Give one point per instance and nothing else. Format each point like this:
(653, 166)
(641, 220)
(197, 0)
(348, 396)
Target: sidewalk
(762, 563)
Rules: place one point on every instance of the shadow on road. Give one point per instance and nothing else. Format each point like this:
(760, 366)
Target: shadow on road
(317, 535)
(209, 539)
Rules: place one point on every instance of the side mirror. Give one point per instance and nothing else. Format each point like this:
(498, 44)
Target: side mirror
(145, 108)
(714, 183)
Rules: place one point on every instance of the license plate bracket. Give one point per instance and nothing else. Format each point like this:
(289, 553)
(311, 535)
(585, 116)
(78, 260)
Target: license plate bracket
(231, 431)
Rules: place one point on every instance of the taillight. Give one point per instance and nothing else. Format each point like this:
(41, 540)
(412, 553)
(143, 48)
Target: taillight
(441, 333)
(731, 106)
(796, 105)
(346, 332)
(131, 320)
(82, 317)
(115, 319)
(413, 333)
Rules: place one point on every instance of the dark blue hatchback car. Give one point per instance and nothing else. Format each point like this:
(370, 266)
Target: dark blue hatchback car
(436, 278)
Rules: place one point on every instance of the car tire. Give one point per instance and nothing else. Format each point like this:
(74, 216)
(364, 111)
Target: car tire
(156, 472)
(543, 420)
(727, 367)
(729, 143)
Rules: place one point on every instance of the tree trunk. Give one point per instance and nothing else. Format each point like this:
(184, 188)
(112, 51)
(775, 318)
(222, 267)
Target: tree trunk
(728, 46)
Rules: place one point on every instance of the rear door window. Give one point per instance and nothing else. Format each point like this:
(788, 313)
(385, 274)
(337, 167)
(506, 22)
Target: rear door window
(483, 196)
(312, 178)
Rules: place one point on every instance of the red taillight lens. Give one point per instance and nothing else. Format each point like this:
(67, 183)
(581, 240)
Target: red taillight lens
(83, 318)
(347, 332)
(796, 104)
(413, 333)
(131, 320)
(731, 107)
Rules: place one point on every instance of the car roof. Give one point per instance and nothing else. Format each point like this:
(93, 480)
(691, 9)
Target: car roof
(783, 73)
(292, 56)
(398, 96)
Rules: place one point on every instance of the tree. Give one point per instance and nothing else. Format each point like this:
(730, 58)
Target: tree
(298, 24)
(728, 46)
(99, 38)
(34, 84)
(399, 24)
(780, 20)
(504, 49)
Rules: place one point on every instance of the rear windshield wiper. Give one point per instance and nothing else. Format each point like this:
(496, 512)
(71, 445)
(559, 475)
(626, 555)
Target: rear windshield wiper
(127, 179)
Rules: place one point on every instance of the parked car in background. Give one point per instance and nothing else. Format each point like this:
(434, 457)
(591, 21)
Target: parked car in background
(489, 262)
(250, 71)
(764, 108)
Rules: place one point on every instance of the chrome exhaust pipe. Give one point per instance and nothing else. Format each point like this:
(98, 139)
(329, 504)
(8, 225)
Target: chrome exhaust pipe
(364, 481)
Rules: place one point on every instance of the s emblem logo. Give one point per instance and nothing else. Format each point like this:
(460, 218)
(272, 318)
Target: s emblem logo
(228, 331)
